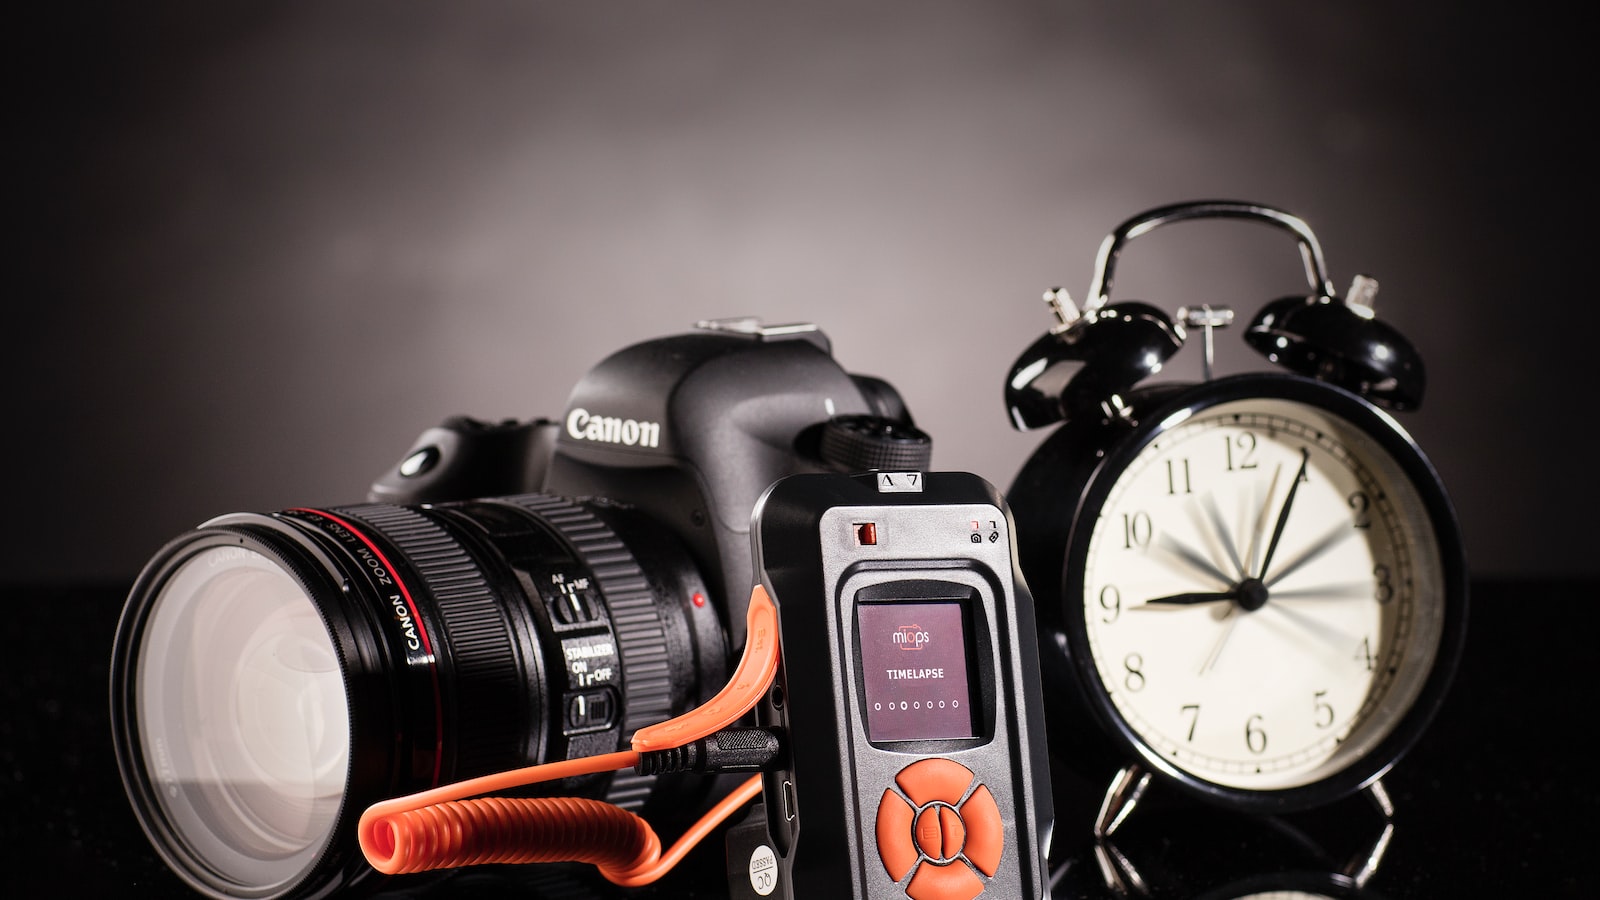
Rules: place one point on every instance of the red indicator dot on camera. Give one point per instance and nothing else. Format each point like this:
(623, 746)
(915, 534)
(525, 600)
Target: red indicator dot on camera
(867, 534)
(699, 600)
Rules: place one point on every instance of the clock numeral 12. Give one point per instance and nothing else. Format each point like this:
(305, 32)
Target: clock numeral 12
(1246, 442)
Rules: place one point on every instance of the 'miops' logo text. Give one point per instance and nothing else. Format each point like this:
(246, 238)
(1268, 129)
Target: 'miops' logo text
(611, 430)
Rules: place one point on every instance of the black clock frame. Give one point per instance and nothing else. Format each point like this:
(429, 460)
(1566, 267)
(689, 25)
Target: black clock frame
(1056, 498)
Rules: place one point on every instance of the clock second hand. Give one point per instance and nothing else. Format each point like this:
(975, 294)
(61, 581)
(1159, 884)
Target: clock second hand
(1190, 557)
(1219, 529)
(1230, 617)
(1254, 587)
(1336, 535)
(1261, 523)
(1212, 517)
(1232, 621)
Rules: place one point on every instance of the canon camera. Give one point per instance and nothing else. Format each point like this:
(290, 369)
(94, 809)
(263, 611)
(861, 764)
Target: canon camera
(512, 593)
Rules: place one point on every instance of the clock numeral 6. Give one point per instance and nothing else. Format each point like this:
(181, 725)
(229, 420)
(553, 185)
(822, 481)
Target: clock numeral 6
(1254, 737)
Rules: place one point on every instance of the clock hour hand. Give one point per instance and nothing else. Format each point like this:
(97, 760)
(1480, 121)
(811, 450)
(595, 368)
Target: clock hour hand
(1193, 597)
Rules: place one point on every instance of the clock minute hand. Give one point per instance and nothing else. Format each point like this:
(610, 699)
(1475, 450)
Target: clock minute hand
(1283, 514)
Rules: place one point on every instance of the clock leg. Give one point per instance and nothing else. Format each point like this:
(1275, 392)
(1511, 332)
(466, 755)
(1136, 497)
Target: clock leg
(1363, 866)
(1118, 872)
(1121, 797)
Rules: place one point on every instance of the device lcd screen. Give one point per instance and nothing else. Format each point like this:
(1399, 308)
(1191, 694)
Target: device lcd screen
(914, 670)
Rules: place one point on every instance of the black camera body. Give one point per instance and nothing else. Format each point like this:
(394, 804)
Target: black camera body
(513, 593)
(688, 429)
(909, 691)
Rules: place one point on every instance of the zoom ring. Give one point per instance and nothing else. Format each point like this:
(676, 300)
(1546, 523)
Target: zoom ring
(480, 651)
(641, 635)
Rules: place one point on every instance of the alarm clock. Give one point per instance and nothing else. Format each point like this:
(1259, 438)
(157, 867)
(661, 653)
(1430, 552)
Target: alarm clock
(1251, 588)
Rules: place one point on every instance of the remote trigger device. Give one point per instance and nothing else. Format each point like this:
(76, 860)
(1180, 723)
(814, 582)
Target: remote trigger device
(908, 692)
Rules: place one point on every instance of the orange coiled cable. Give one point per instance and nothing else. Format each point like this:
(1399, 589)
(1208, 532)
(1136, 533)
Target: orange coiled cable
(441, 828)
(518, 830)
(449, 834)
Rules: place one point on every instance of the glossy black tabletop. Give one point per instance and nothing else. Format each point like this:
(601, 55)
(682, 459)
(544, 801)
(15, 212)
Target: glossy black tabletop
(1498, 799)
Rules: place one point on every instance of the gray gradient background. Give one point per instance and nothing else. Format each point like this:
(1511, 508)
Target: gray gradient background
(258, 247)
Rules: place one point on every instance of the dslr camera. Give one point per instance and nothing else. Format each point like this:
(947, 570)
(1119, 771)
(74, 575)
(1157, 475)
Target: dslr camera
(512, 593)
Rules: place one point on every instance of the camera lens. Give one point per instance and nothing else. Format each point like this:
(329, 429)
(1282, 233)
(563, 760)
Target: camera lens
(276, 674)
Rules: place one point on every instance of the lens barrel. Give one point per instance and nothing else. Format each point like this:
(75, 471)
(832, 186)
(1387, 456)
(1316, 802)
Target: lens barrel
(275, 674)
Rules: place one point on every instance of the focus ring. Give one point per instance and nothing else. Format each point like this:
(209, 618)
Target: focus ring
(635, 620)
(481, 653)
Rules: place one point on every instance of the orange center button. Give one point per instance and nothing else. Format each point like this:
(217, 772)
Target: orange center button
(940, 832)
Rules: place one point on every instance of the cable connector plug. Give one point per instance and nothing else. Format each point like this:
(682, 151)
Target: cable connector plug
(729, 750)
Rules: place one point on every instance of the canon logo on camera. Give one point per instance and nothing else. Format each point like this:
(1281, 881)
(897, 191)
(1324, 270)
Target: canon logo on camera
(611, 430)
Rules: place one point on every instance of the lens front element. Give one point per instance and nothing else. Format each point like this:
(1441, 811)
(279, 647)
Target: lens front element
(242, 716)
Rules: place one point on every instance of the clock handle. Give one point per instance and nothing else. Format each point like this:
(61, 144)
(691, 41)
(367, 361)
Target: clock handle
(1111, 247)
(1323, 336)
(1107, 350)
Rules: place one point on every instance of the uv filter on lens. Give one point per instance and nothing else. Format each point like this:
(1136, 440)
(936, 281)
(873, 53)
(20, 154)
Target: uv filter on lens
(242, 716)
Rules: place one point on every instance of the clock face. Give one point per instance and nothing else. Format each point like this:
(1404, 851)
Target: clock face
(1263, 594)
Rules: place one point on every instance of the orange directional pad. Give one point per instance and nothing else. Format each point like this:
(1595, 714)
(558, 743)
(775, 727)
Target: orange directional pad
(952, 882)
(934, 779)
(895, 821)
(944, 837)
(985, 832)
